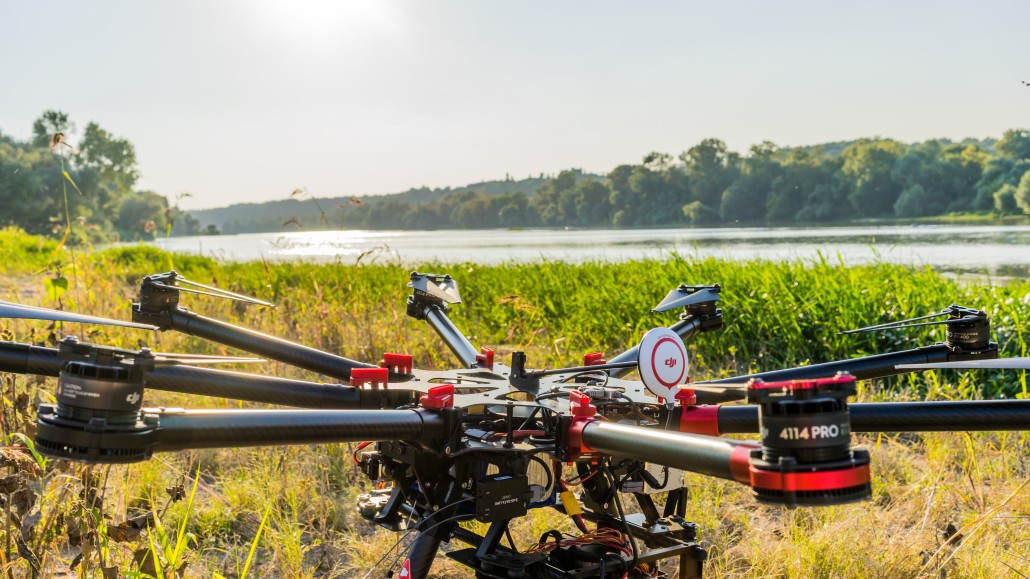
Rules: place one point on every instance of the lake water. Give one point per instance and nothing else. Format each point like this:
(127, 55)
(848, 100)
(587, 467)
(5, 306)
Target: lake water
(996, 251)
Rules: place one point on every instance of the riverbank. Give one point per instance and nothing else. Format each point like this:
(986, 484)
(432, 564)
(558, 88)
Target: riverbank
(963, 250)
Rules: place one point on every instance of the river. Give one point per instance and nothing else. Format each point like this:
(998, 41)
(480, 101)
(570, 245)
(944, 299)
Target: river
(997, 251)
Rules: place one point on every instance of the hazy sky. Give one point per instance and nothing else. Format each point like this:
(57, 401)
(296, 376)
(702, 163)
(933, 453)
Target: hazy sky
(247, 100)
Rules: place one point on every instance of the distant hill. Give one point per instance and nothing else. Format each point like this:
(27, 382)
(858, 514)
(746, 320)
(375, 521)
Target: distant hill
(270, 216)
(706, 185)
(836, 148)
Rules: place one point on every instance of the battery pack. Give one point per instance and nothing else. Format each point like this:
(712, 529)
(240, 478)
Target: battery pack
(501, 497)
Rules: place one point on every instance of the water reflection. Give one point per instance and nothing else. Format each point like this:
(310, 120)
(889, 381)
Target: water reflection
(995, 251)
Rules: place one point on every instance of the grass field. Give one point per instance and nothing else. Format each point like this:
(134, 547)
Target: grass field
(290, 511)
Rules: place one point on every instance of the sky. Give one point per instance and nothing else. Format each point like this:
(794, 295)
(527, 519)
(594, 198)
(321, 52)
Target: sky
(245, 101)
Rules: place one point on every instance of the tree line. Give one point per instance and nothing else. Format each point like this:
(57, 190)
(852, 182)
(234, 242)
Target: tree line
(49, 182)
(710, 185)
(86, 186)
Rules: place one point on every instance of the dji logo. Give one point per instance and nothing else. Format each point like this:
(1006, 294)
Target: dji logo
(671, 362)
(132, 398)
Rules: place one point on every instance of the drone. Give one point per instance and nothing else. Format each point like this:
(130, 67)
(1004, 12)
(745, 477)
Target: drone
(488, 441)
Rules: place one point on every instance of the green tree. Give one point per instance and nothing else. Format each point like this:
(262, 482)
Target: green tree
(998, 172)
(113, 158)
(510, 216)
(475, 210)
(807, 176)
(1015, 144)
(745, 199)
(711, 168)
(1005, 199)
(141, 215)
(866, 171)
(625, 212)
(593, 208)
(182, 223)
(49, 124)
(960, 167)
(552, 199)
(1022, 194)
(914, 202)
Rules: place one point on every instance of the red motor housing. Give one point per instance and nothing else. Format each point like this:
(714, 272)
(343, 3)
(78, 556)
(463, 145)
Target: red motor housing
(806, 456)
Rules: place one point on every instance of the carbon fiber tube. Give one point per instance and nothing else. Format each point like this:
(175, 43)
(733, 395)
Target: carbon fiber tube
(253, 388)
(864, 368)
(185, 429)
(965, 415)
(685, 329)
(451, 335)
(21, 358)
(420, 555)
(264, 345)
(27, 359)
(706, 455)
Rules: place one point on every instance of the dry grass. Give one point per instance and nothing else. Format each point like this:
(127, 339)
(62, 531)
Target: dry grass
(928, 487)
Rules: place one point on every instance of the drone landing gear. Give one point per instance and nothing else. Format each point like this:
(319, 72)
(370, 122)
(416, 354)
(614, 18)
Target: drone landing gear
(663, 536)
(489, 559)
(664, 540)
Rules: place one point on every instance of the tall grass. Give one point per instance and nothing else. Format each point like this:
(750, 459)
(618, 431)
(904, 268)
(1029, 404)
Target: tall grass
(290, 511)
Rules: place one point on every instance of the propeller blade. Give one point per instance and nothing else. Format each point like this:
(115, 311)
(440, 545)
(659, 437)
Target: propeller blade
(195, 361)
(182, 358)
(717, 394)
(994, 364)
(959, 315)
(444, 288)
(892, 325)
(964, 320)
(17, 311)
(215, 292)
(219, 292)
(687, 296)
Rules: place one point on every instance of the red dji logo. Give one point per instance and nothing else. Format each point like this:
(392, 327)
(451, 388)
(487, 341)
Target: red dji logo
(670, 362)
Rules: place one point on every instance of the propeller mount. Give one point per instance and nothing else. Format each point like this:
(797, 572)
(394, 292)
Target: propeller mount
(435, 287)
(690, 297)
(160, 291)
(968, 330)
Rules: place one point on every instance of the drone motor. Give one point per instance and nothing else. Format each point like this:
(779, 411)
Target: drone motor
(969, 331)
(805, 456)
(98, 416)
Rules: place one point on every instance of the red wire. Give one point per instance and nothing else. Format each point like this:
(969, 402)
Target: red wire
(582, 480)
(354, 455)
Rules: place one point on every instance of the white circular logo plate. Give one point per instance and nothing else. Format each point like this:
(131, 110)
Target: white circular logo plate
(662, 362)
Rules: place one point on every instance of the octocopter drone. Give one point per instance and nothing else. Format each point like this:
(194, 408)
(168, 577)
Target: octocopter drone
(488, 441)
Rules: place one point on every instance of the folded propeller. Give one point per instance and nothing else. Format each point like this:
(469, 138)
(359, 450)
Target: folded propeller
(441, 287)
(174, 281)
(17, 311)
(957, 315)
(688, 295)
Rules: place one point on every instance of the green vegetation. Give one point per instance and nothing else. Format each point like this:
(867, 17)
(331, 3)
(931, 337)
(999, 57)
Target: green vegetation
(706, 185)
(49, 185)
(322, 213)
(290, 511)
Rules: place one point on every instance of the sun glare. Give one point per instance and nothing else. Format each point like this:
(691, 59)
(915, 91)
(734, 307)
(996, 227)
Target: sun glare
(325, 23)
